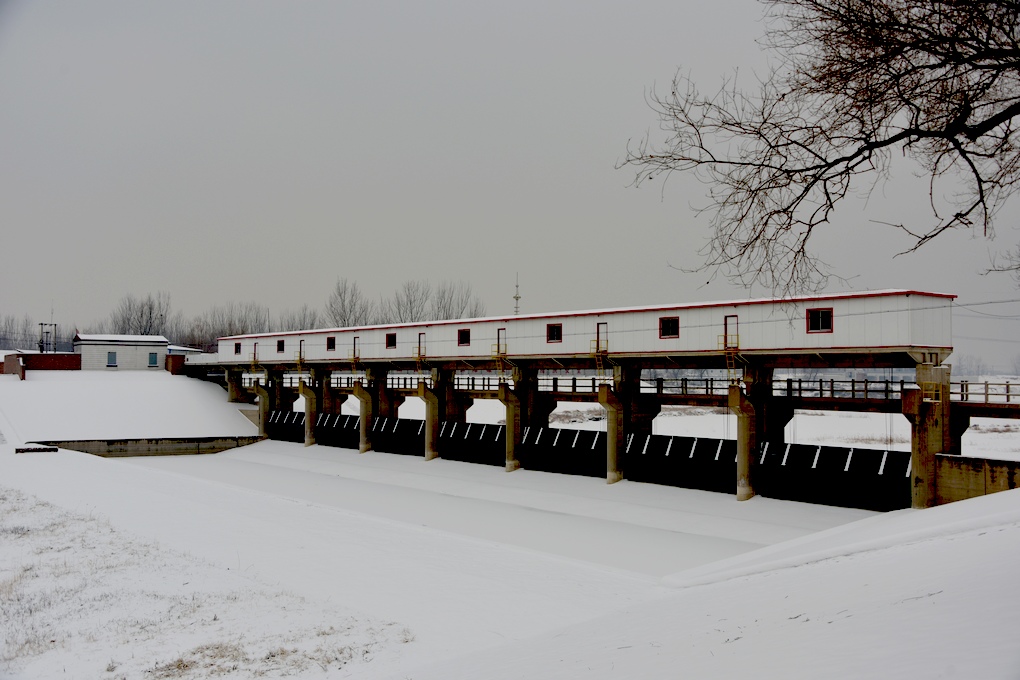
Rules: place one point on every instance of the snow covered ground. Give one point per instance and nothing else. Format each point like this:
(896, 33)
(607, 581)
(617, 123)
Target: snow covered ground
(279, 560)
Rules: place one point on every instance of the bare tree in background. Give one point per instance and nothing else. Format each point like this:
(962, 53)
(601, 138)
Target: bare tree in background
(233, 318)
(409, 303)
(149, 315)
(296, 320)
(855, 81)
(18, 333)
(455, 301)
(347, 306)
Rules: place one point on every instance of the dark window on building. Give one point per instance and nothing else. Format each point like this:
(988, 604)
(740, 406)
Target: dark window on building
(153, 358)
(554, 332)
(464, 337)
(279, 345)
(819, 320)
(391, 341)
(111, 359)
(331, 344)
(669, 327)
(237, 348)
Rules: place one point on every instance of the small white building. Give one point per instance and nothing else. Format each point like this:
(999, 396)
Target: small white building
(121, 352)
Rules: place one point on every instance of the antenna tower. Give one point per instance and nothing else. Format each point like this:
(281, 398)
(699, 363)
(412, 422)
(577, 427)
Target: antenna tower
(517, 294)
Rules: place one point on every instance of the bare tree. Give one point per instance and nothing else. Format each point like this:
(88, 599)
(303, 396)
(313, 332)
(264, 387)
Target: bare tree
(455, 301)
(409, 303)
(17, 333)
(854, 82)
(150, 315)
(297, 320)
(234, 318)
(347, 306)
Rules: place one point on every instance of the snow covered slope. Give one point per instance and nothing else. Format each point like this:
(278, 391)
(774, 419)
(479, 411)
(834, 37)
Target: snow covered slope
(911, 594)
(65, 405)
(448, 570)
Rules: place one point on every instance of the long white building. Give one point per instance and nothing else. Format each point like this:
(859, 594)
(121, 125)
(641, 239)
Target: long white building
(887, 322)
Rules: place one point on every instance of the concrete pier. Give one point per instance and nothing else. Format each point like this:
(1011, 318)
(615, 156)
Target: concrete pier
(377, 401)
(926, 405)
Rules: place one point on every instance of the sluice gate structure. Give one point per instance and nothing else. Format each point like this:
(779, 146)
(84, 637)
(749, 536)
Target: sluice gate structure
(614, 357)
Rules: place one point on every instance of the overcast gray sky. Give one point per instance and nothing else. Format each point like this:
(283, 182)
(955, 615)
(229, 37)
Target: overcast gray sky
(256, 151)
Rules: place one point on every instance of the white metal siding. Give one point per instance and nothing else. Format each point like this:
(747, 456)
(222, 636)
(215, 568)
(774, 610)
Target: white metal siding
(892, 320)
(129, 357)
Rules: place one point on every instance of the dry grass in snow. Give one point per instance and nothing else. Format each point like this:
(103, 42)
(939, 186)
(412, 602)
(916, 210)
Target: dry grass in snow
(80, 599)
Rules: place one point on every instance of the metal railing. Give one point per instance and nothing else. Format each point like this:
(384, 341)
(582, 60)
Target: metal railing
(984, 392)
(801, 388)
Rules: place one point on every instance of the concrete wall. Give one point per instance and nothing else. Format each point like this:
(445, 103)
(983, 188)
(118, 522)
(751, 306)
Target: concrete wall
(113, 448)
(959, 478)
(899, 319)
(14, 366)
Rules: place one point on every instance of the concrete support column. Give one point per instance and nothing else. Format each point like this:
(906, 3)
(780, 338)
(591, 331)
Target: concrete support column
(312, 400)
(236, 392)
(386, 402)
(431, 420)
(958, 424)
(452, 406)
(376, 402)
(281, 397)
(628, 414)
(330, 401)
(639, 410)
(926, 406)
(746, 441)
(368, 405)
(614, 432)
(263, 399)
(513, 425)
(535, 406)
(760, 418)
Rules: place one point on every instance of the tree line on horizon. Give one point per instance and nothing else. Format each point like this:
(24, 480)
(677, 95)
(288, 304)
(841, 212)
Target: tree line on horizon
(347, 305)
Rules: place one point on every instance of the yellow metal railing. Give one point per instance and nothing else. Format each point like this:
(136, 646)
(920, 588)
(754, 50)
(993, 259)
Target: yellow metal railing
(931, 391)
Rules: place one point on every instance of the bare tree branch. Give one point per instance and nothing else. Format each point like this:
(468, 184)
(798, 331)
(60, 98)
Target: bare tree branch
(854, 79)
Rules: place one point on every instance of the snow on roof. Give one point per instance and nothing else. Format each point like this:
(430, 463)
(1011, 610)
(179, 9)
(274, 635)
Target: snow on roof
(181, 349)
(135, 339)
